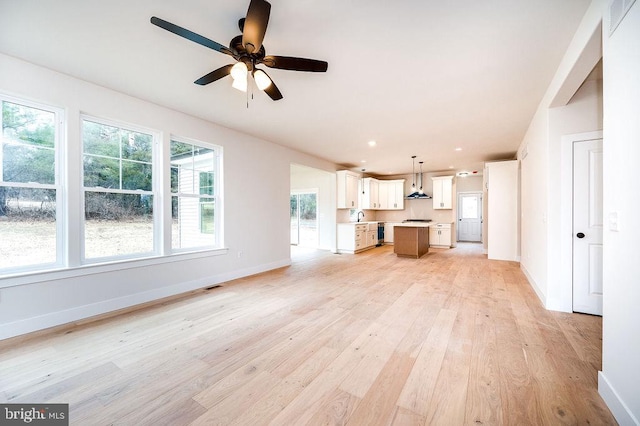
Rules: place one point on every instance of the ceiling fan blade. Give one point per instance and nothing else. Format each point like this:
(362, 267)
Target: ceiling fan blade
(190, 35)
(214, 75)
(255, 25)
(295, 64)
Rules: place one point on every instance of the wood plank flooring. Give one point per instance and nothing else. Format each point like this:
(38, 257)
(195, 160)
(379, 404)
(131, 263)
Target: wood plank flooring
(369, 339)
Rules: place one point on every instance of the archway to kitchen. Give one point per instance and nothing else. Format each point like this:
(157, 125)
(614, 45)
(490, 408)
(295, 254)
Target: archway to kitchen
(313, 190)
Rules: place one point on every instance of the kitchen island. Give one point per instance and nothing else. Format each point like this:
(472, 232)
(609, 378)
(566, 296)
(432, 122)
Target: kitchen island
(411, 239)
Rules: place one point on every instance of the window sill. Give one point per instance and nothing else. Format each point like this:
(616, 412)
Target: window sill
(32, 277)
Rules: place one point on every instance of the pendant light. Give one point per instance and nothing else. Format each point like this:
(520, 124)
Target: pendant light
(413, 173)
(421, 191)
(362, 181)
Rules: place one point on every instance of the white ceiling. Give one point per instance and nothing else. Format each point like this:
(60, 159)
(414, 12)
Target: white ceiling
(419, 77)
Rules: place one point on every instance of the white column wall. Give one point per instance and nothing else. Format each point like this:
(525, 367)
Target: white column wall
(619, 381)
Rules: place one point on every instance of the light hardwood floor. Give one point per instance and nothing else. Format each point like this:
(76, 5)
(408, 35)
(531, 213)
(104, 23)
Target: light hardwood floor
(368, 339)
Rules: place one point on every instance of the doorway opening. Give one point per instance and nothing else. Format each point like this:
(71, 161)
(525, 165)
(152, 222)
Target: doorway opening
(469, 217)
(304, 218)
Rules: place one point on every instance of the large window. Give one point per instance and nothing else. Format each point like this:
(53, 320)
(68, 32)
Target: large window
(137, 197)
(118, 190)
(29, 186)
(194, 190)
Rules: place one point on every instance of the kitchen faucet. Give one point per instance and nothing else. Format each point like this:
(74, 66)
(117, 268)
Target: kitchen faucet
(359, 215)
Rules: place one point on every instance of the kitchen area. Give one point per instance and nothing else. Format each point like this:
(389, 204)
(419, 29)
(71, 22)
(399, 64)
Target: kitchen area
(353, 212)
(411, 212)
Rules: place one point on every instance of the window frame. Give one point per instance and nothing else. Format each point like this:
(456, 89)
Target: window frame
(59, 186)
(216, 198)
(70, 202)
(155, 192)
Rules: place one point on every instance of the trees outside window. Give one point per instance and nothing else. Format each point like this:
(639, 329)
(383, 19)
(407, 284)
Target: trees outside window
(29, 185)
(122, 197)
(118, 190)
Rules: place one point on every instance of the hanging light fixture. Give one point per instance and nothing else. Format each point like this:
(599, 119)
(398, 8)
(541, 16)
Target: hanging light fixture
(420, 190)
(413, 173)
(362, 181)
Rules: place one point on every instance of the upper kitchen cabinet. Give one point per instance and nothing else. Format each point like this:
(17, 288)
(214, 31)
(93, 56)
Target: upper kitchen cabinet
(347, 193)
(370, 194)
(391, 194)
(442, 192)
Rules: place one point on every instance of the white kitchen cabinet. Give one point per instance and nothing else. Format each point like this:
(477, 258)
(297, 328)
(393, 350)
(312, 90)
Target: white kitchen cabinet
(442, 192)
(391, 194)
(354, 237)
(372, 238)
(347, 191)
(440, 235)
(370, 194)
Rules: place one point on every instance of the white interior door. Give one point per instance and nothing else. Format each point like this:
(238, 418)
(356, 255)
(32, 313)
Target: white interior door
(587, 227)
(470, 217)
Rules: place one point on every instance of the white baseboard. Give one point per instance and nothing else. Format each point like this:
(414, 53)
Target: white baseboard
(53, 319)
(618, 408)
(534, 285)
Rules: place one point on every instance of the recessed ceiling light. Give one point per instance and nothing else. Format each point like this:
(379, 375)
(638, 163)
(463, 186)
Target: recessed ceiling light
(463, 174)
(372, 143)
(451, 167)
(458, 149)
(363, 161)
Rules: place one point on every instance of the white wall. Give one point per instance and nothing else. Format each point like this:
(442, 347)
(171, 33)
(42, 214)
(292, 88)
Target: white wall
(471, 183)
(542, 163)
(533, 155)
(543, 168)
(619, 382)
(543, 184)
(582, 114)
(256, 226)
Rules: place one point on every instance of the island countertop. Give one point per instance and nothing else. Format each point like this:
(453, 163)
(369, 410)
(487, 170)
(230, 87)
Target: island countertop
(415, 224)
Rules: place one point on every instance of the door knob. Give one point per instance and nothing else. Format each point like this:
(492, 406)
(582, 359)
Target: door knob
(580, 235)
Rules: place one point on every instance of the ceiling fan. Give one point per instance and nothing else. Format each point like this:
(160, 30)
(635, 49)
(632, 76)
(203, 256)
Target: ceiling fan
(247, 49)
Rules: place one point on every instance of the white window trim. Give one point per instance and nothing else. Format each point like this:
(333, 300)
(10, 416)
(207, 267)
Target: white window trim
(59, 179)
(216, 198)
(69, 174)
(156, 190)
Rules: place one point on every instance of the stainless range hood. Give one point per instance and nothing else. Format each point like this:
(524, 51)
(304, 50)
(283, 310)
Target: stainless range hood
(419, 193)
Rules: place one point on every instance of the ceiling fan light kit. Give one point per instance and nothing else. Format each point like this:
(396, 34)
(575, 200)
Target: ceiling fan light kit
(262, 79)
(247, 49)
(240, 84)
(239, 71)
